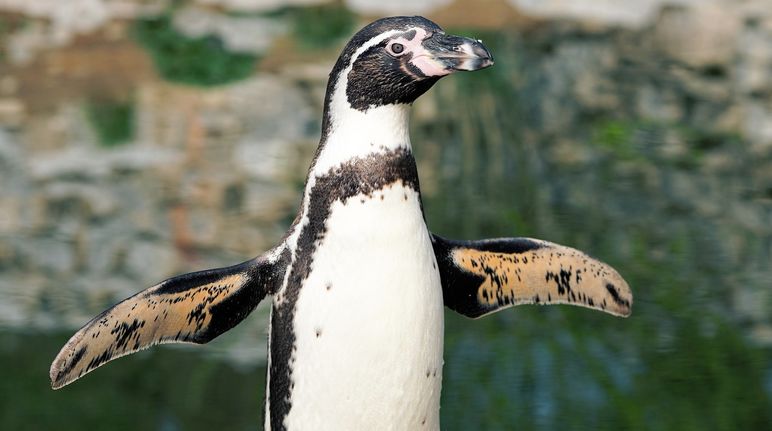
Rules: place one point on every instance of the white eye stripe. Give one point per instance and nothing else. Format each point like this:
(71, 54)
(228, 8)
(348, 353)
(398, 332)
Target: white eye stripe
(419, 34)
(371, 43)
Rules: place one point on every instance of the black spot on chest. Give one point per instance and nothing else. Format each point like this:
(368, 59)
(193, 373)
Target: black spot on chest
(361, 176)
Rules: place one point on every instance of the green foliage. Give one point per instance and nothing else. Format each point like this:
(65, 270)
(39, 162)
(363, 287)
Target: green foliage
(319, 27)
(112, 121)
(635, 139)
(202, 61)
(616, 136)
(9, 24)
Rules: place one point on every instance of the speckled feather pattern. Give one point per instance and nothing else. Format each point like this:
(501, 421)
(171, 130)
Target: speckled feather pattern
(192, 308)
(537, 272)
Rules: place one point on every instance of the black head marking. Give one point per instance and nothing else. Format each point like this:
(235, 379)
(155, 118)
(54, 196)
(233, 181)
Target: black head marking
(403, 23)
(372, 59)
(382, 75)
(378, 78)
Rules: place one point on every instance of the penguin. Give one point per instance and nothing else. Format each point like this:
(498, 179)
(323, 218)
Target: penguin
(358, 282)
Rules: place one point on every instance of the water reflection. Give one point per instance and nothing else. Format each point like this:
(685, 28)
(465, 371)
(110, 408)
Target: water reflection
(114, 178)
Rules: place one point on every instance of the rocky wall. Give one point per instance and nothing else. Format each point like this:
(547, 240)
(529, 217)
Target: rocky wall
(195, 177)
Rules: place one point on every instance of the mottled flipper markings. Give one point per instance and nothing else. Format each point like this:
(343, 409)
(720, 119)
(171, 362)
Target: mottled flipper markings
(481, 277)
(191, 308)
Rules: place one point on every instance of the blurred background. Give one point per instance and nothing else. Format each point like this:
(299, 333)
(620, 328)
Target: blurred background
(141, 139)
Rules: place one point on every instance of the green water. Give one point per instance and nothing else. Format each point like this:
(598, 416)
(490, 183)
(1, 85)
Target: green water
(529, 369)
(162, 389)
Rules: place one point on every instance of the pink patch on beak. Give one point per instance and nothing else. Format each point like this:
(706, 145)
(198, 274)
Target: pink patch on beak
(421, 58)
(429, 66)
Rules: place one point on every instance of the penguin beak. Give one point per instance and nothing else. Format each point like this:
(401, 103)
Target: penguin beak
(444, 54)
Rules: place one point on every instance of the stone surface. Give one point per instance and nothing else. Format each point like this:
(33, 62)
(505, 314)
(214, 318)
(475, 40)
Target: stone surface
(238, 33)
(699, 35)
(671, 98)
(636, 13)
(395, 7)
(258, 5)
(65, 20)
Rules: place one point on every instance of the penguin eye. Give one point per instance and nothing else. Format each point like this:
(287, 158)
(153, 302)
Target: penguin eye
(396, 48)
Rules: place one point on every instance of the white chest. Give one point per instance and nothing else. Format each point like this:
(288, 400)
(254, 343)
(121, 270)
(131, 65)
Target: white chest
(369, 321)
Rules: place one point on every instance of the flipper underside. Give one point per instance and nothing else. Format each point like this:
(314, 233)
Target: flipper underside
(191, 308)
(481, 277)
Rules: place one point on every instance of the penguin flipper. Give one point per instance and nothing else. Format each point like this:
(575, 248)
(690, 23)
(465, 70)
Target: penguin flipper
(190, 308)
(482, 277)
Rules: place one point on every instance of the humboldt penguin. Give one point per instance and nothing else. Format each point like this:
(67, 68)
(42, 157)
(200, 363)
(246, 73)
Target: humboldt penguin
(358, 282)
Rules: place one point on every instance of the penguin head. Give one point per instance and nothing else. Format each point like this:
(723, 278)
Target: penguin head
(395, 60)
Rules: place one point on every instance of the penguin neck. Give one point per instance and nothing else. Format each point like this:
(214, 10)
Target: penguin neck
(349, 133)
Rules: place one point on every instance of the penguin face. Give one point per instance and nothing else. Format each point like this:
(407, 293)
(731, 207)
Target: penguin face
(395, 60)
